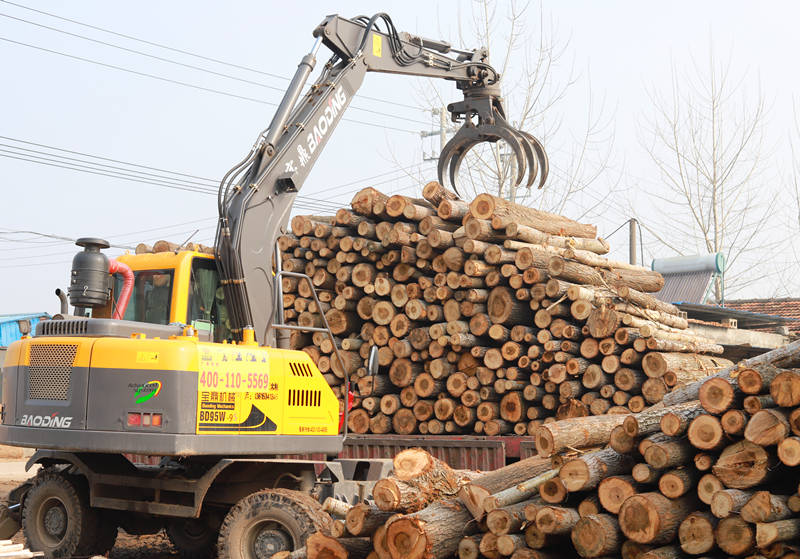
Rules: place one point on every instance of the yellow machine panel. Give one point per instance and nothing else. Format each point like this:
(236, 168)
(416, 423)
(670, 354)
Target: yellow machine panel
(250, 390)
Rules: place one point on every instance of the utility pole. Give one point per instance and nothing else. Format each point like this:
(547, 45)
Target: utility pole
(632, 240)
(441, 132)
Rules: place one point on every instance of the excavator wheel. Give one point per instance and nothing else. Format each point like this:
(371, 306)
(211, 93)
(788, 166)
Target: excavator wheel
(57, 518)
(195, 538)
(269, 521)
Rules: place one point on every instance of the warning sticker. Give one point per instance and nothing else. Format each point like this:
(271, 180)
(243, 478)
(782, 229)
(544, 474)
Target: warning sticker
(234, 392)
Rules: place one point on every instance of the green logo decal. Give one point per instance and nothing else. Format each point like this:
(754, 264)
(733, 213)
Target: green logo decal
(152, 387)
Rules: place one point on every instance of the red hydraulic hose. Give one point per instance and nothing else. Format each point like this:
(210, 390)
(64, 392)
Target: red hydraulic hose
(127, 286)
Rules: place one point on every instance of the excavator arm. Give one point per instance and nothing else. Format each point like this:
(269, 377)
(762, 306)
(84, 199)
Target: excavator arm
(256, 196)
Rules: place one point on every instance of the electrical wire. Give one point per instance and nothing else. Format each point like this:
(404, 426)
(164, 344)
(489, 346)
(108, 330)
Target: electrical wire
(214, 182)
(318, 204)
(185, 52)
(187, 84)
(171, 177)
(190, 66)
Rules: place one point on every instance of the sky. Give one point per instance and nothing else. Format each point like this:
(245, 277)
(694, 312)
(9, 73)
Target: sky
(80, 105)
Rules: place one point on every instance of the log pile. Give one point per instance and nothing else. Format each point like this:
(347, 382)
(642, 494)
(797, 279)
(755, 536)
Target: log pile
(489, 317)
(709, 477)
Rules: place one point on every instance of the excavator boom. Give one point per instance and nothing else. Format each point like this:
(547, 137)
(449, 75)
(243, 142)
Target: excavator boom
(256, 195)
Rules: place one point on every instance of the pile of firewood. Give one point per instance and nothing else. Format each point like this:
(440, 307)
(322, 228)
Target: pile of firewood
(713, 473)
(489, 316)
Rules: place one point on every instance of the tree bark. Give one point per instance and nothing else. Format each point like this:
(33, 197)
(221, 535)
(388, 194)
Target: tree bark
(728, 501)
(765, 507)
(586, 471)
(473, 494)
(576, 433)
(486, 206)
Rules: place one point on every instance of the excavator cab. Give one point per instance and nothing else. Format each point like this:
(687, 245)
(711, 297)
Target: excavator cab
(173, 287)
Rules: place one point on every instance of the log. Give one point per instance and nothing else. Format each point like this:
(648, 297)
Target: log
(781, 357)
(789, 451)
(556, 520)
(785, 389)
(651, 518)
(532, 235)
(677, 483)
(335, 507)
(363, 519)
(767, 427)
(517, 493)
(575, 433)
(615, 490)
(763, 506)
(705, 433)
(657, 364)
(320, 546)
(486, 206)
(780, 531)
(735, 536)
(743, 465)
(596, 535)
(432, 533)
(391, 494)
(473, 494)
(506, 520)
(650, 420)
(728, 501)
(696, 533)
(586, 471)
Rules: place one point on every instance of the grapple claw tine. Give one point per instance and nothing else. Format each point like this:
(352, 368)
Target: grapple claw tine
(544, 163)
(465, 136)
(533, 167)
(505, 132)
(458, 158)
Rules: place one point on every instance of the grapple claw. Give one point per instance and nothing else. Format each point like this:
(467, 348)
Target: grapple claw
(491, 126)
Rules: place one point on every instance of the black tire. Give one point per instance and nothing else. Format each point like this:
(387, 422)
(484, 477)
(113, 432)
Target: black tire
(269, 521)
(195, 538)
(57, 518)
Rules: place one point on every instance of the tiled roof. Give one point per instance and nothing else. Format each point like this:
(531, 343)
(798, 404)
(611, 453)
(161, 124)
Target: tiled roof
(788, 307)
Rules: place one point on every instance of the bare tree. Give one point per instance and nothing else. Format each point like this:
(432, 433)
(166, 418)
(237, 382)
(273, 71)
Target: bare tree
(537, 82)
(706, 141)
(788, 281)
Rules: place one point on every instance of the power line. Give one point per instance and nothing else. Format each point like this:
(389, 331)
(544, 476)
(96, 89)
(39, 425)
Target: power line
(50, 236)
(212, 182)
(184, 84)
(188, 53)
(191, 66)
(120, 172)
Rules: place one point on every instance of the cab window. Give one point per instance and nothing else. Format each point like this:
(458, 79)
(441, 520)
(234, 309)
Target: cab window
(151, 297)
(207, 309)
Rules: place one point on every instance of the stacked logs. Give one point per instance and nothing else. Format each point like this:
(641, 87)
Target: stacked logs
(489, 317)
(713, 476)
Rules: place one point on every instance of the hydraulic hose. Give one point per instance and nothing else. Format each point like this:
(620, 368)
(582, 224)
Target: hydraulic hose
(124, 298)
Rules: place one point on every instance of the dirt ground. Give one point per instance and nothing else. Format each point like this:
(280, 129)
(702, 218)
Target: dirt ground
(156, 546)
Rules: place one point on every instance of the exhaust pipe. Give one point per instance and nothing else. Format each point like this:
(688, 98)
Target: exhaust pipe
(64, 303)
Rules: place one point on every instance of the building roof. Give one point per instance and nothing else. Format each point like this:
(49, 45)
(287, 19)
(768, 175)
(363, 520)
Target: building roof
(787, 307)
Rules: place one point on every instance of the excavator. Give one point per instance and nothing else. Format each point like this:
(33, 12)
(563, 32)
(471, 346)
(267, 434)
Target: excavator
(184, 355)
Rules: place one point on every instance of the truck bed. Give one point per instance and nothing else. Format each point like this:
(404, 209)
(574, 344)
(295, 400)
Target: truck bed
(463, 452)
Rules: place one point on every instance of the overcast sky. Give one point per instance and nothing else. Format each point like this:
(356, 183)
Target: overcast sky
(63, 91)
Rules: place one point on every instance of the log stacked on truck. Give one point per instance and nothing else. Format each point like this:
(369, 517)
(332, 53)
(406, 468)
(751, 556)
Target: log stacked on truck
(489, 317)
(708, 477)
